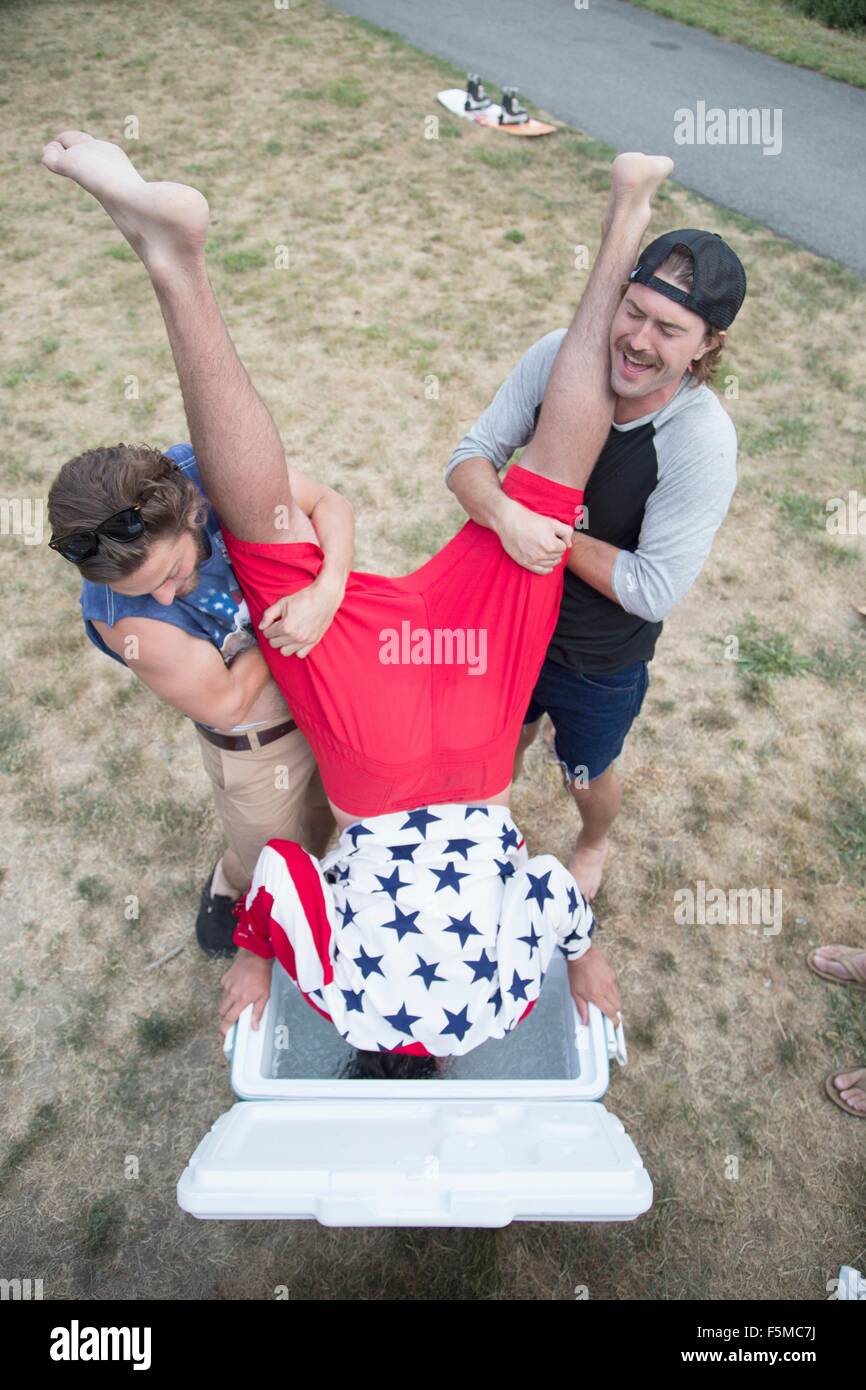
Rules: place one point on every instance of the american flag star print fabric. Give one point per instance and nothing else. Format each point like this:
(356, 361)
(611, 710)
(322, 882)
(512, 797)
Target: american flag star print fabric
(425, 931)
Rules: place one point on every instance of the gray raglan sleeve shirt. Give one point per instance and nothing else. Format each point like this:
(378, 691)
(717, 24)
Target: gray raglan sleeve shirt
(697, 452)
(696, 447)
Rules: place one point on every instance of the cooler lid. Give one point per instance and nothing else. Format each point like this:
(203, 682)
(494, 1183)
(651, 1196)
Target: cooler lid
(404, 1162)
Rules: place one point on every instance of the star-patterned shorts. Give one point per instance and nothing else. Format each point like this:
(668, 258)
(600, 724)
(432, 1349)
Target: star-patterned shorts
(425, 931)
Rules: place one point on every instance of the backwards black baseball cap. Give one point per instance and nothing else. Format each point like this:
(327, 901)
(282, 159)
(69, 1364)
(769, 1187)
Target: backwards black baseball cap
(719, 284)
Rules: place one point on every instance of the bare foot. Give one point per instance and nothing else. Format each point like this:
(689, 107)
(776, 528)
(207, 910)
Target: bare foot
(634, 180)
(587, 866)
(164, 223)
(851, 1086)
(827, 959)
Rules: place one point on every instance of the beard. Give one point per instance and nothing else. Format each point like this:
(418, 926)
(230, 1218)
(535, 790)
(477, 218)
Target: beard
(203, 552)
(202, 546)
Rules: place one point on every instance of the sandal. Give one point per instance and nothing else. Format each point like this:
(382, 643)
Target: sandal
(845, 954)
(833, 1091)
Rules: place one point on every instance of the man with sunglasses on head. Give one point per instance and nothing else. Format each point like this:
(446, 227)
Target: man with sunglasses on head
(159, 596)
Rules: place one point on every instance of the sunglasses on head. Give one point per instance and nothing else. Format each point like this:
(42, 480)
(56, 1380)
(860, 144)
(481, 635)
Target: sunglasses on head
(78, 546)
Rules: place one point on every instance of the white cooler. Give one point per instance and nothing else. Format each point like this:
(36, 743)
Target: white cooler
(513, 1132)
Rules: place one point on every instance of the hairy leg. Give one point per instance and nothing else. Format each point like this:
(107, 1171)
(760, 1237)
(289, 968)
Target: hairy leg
(236, 442)
(578, 403)
(598, 805)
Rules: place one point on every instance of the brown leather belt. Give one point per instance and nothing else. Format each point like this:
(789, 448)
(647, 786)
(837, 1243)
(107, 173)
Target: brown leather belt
(240, 743)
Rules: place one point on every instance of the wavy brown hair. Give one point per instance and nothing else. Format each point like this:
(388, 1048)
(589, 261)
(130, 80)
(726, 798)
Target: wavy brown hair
(95, 485)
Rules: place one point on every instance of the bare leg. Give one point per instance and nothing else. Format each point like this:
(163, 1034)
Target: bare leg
(229, 879)
(598, 805)
(572, 430)
(578, 402)
(236, 443)
(527, 737)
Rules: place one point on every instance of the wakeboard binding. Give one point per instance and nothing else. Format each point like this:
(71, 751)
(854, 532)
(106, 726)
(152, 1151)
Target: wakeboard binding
(476, 97)
(512, 112)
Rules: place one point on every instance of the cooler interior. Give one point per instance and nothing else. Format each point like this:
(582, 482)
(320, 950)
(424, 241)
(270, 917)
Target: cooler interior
(301, 1045)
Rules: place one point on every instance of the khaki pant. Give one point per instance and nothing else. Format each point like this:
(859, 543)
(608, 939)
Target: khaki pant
(269, 792)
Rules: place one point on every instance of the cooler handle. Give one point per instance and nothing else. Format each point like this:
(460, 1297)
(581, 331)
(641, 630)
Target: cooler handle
(615, 1041)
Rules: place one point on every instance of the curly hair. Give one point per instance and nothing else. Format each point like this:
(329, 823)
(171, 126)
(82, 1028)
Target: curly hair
(95, 485)
(389, 1066)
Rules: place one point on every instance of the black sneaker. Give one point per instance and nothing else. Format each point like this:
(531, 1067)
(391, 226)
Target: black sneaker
(216, 922)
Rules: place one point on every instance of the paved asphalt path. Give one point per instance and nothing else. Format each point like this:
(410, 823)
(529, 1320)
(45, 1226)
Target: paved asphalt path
(621, 73)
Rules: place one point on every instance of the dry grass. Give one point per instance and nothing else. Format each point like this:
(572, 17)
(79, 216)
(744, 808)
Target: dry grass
(306, 129)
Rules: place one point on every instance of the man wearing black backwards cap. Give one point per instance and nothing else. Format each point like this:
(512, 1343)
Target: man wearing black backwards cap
(660, 489)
